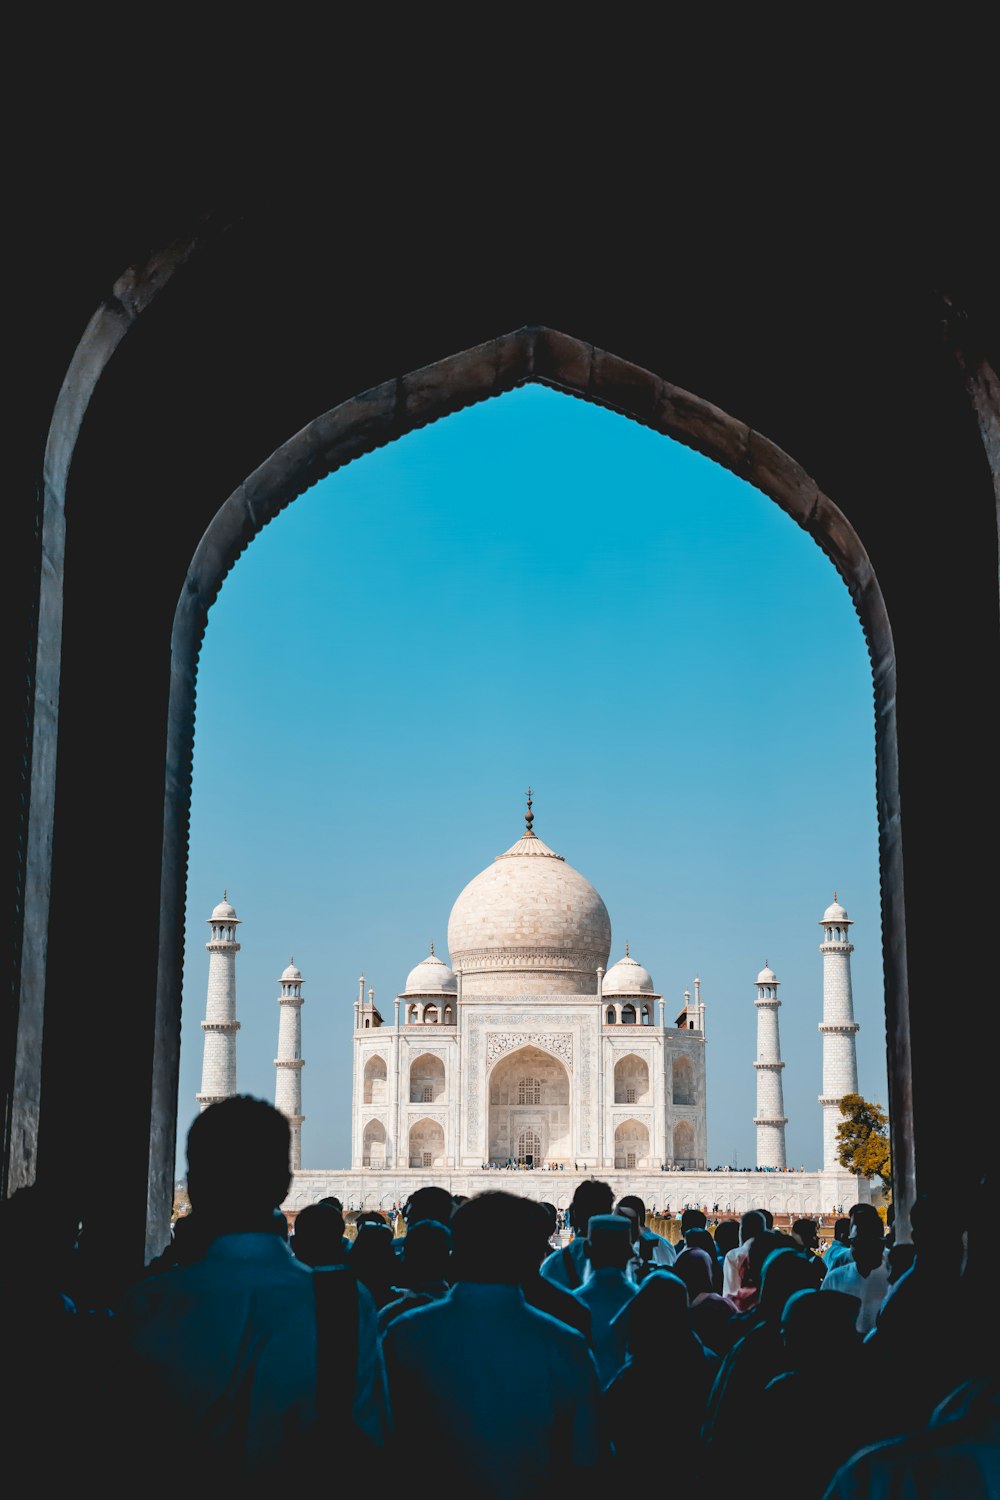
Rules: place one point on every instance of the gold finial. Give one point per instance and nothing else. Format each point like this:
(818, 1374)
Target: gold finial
(225, 893)
(626, 950)
(432, 947)
(291, 959)
(529, 816)
(835, 893)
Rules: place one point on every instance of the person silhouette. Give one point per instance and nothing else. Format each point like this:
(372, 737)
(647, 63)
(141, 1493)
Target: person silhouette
(822, 1353)
(652, 1250)
(608, 1288)
(318, 1236)
(423, 1272)
(373, 1260)
(501, 1397)
(233, 1359)
(712, 1317)
(539, 1291)
(658, 1337)
(567, 1266)
(732, 1415)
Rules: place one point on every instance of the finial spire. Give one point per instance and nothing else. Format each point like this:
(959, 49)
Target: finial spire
(432, 947)
(626, 950)
(529, 816)
(835, 893)
(225, 893)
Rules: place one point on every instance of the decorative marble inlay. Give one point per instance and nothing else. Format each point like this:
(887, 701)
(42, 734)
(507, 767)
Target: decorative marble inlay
(560, 1044)
(585, 960)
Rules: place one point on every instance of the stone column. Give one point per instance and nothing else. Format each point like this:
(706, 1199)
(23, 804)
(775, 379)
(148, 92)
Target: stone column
(218, 1073)
(837, 1028)
(288, 1063)
(770, 1117)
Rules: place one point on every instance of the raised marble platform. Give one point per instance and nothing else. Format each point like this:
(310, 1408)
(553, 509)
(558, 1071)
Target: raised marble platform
(795, 1193)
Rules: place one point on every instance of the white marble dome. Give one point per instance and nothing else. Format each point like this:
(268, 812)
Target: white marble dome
(431, 977)
(291, 974)
(627, 977)
(835, 912)
(224, 912)
(529, 924)
(767, 976)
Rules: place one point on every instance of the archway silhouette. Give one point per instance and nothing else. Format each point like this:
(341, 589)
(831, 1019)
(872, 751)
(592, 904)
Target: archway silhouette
(380, 416)
(389, 412)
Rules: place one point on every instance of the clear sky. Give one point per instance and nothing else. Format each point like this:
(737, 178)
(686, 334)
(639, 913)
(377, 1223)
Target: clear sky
(535, 591)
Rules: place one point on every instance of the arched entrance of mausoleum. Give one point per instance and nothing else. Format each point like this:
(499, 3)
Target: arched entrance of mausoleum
(529, 1111)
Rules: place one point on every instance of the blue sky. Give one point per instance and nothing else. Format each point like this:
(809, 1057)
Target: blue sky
(535, 591)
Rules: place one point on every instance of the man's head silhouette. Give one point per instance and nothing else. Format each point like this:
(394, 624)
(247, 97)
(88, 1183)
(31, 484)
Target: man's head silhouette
(609, 1241)
(318, 1239)
(591, 1197)
(495, 1238)
(238, 1165)
(430, 1202)
(692, 1218)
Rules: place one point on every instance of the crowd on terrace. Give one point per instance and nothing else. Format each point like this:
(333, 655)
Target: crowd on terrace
(479, 1353)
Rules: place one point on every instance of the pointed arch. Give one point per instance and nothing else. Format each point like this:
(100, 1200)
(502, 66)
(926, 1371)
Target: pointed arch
(632, 1080)
(682, 1081)
(373, 1144)
(426, 1144)
(631, 1145)
(375, 1081)
(427, 1079)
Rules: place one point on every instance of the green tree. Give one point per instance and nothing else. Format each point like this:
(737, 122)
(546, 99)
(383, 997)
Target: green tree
(863, 1140)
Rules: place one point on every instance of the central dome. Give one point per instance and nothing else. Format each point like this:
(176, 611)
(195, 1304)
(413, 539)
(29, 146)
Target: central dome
(529, 924)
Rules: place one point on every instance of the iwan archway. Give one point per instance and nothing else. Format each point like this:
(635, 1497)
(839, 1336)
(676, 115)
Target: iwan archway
(529, 1111)
(388, 412)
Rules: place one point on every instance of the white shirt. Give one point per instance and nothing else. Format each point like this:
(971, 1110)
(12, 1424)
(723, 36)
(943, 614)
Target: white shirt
(732, 1268)
(870, 1290)
(554, 1269)
(663, 1252)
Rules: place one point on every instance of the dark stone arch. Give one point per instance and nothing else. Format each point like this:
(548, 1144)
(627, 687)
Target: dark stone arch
(390, 411)
(158, 1159)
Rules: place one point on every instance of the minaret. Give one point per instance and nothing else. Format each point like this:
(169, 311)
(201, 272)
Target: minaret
(837, 1028)
(289, 1063)
(218, 1072)
(770, 1117)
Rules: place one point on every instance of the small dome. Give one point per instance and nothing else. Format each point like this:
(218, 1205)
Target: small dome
(291, 973)
(626, 977)
(431, 977)
(223, 912)
(835, 912)
(767, 976)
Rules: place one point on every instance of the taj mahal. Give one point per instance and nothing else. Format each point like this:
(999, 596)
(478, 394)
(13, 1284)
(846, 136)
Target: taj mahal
(528, 1051)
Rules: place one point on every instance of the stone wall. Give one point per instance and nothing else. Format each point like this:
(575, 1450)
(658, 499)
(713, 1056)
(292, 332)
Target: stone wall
(797, 1193)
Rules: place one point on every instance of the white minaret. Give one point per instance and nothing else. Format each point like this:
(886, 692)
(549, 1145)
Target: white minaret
(288, 1063)
(770, 1117)
(837, 1028)
(218, 1072)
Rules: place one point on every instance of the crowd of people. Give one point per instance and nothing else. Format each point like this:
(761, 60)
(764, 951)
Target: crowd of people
(523, 1164)
(485, 1351)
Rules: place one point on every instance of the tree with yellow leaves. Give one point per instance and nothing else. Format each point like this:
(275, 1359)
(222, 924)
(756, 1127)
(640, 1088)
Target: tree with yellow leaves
(863, 1140)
